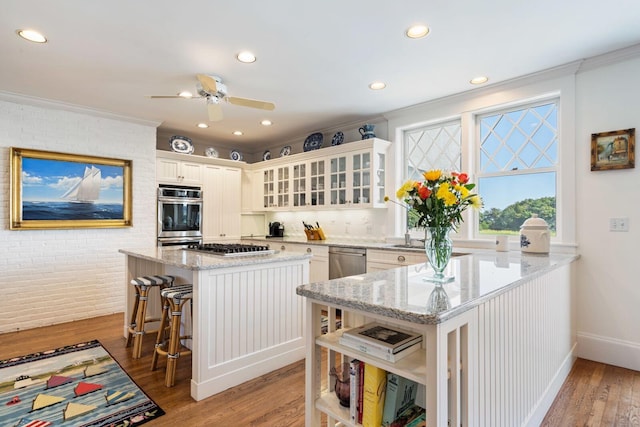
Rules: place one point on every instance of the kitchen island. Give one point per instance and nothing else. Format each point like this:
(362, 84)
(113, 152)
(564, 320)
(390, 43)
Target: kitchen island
(246, 319)
(497, 343)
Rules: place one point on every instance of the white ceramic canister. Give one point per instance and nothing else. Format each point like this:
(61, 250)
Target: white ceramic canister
(535, 236)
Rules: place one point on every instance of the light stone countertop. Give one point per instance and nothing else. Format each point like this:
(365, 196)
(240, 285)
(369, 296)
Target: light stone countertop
(403, 293)
(274, 241)
(192, 260)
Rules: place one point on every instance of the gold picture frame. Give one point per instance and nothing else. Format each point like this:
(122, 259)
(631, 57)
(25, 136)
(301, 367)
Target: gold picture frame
(52, 190)
(613, 150)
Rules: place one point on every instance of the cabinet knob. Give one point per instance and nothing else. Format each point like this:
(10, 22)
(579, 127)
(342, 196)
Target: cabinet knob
(401, 258)
(282, 248)
(309, 250)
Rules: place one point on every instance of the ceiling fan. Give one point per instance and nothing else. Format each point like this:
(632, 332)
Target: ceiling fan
(214, 91)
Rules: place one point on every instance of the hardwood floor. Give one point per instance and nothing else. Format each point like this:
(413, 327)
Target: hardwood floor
(594, 394)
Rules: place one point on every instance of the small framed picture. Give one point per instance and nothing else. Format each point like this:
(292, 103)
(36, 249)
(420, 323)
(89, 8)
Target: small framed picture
(613, 150)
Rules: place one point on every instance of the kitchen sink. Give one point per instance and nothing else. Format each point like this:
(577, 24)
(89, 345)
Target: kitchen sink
(408, 246)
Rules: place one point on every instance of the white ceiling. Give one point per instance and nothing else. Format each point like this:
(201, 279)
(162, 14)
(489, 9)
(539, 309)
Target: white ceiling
(315, 58)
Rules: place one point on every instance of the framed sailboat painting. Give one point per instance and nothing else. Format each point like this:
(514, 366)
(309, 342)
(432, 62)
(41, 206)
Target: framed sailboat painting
(56, 190)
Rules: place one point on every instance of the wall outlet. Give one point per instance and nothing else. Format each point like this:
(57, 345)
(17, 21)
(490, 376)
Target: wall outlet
(618, 224)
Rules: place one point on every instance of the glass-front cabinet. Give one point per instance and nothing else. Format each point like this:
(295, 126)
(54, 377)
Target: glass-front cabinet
(348, 175)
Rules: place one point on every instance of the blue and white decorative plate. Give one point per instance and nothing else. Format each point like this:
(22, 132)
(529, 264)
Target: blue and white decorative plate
(286, 150)
(313, 142)
(235, 155)
(337, 139)
(266, 155)
(181, 144)
(211, 152)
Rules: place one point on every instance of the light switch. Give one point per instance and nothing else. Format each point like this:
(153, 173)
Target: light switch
(618, 224)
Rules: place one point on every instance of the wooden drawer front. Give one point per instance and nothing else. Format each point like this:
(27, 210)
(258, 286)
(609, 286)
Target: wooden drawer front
(399, 258)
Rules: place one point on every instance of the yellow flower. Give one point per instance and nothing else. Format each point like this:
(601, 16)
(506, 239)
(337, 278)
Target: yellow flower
(475, 202)
(403, 192)
(432, 175)
(446, 195)
(464, 192)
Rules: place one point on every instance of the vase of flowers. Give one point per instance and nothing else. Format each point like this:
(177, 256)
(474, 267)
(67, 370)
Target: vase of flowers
(439, 201)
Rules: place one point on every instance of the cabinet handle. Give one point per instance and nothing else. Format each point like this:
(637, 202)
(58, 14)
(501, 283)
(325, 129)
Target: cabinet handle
(282, 248)
(401, 258)
(308, 250)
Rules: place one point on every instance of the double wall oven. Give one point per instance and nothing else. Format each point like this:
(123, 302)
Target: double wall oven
(179, 215)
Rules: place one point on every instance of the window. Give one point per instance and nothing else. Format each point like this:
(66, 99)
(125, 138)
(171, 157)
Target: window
(517, 172)
(516, 152)
(436, 146)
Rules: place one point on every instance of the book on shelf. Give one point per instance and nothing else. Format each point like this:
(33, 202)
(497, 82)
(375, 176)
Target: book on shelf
(400, 395)
(360, 390)
(375, 381)
(354, 380)
(412, 416)
(383, 337)
(380, 354)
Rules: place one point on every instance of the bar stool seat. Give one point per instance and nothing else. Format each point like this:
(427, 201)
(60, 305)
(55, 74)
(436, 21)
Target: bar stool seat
(176, 297)
(143, 285)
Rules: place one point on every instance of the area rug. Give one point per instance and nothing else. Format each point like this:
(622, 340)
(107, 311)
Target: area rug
(72, 386)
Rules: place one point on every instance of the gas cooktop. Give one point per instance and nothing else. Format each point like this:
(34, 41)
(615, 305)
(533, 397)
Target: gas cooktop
(231, 249)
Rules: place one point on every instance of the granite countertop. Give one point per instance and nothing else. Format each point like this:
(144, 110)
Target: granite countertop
(335, 242)
(192, 260)
(403, 293)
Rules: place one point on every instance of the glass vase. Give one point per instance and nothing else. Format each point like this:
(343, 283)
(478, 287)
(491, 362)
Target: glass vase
(438, 247)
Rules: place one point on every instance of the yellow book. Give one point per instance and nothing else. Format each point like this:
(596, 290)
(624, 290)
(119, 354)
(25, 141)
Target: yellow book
(375, 380)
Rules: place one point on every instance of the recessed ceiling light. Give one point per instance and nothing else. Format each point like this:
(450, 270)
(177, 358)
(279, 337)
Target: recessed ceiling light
(246, 57)
(417, 31)
(237, 133)
(185, 94)
(266, 123)
(32, 36)
(203, 125)
(377, 85)
(479, 80)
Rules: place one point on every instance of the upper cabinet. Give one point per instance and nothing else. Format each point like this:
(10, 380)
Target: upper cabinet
(174, 171)
(348, 175)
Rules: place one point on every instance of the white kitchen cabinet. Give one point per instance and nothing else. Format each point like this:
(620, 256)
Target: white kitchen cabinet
(319, 264)
(221, 202)
(349, 175)
(378, 260)
(308, 183)
(173, 171)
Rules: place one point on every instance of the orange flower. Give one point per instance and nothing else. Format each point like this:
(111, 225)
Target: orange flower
(424, 192)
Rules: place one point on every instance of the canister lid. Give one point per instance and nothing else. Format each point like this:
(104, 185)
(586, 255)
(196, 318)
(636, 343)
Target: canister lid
(535, 223)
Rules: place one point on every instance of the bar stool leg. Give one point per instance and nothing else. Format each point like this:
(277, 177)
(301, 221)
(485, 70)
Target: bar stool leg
(174, 343)
(139, 330)
(161, 337)
(134, 314)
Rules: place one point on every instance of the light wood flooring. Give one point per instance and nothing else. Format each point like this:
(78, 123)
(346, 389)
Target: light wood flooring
(594, 394)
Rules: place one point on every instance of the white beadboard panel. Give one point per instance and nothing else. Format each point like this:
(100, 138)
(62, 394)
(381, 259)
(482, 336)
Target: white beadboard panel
(530, 331)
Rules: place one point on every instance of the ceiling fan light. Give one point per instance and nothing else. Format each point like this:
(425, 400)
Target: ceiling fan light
(203, 125)
(266, 122)
(32, 36)
(237, 133)
(417, 31)
(246, 57)
(185, 94)
(377, 85)
(479, 80)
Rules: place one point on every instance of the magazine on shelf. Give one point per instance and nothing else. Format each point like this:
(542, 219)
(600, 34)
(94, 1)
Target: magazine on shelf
(382, 337)
(354, 377)
(380, 354)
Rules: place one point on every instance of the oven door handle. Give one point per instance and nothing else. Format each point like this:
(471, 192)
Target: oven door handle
(179, 200)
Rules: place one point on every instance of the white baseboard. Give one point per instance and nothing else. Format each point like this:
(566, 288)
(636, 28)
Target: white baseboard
(546, 400)
(611, 351)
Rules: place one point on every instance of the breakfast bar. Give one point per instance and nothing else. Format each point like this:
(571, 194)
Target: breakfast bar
(498, 340)
(246, 319)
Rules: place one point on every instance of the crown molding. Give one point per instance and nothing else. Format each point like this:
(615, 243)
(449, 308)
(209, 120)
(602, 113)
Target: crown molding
(609, 58)
(73, 108)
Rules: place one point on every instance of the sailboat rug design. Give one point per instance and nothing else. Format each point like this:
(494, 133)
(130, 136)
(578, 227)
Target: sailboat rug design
(79, 385)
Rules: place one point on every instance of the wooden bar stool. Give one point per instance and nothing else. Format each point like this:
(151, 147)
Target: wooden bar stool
(139, 312)
(176, 297)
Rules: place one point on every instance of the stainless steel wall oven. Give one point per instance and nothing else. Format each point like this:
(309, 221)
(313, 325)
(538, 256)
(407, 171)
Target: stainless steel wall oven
(179, 215)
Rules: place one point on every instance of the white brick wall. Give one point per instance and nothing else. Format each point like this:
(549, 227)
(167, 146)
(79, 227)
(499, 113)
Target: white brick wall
(55, 276)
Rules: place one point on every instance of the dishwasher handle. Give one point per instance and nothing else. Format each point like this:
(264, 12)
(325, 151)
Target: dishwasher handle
(348, 253)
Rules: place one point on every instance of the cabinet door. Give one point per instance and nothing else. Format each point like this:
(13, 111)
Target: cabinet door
(191, 173)
(268, 189)
(319, 265)
(338, 180)
(282, 176)
(317, 181)
(299, 181)
(221, 203)
(360, 174)
(167, 170)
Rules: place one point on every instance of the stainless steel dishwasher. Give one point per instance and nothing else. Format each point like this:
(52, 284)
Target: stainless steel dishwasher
(346, 261)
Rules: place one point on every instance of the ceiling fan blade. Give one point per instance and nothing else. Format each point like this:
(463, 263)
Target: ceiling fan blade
(173, 97)
(244, 102)
(215, 112)
(208, 83)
